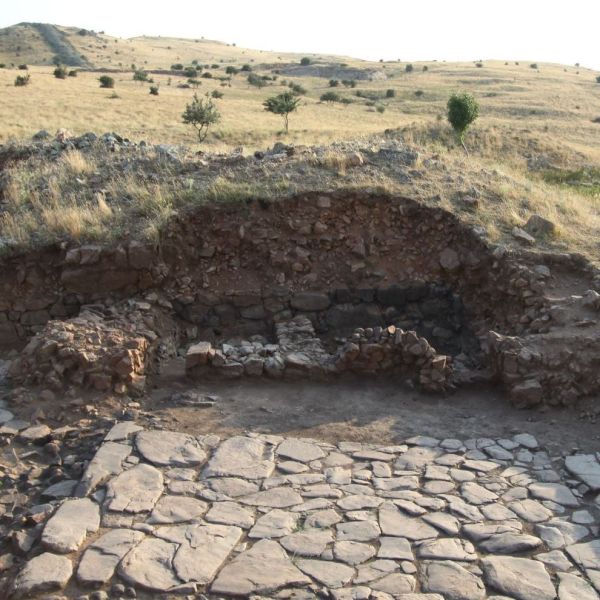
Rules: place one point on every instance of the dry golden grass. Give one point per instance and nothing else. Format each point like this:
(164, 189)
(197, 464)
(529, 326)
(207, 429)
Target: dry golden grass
(516, 101)
(525, 113)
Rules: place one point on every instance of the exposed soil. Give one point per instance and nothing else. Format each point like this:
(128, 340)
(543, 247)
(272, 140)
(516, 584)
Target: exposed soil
(366, 410)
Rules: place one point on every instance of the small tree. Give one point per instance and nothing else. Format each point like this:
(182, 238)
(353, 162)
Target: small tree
(256, 80)
(154, 90)
(333, 83)
(330, 97)
(463, 109)
(231, 70)
(305, 61)
(73, 73)
(60, 73)
(598, 79)
(22, 80)
(201, 114)
(106, 81)
(390, 93)
(282, 104)
(409, 68)
(140, 75)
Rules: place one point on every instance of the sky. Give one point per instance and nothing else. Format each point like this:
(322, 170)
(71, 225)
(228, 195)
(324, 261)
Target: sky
(528, 30)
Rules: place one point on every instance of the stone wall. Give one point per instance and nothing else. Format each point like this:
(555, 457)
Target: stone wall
(299, 353)
(342, 241)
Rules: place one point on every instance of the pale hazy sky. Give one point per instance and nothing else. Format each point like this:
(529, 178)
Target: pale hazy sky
(537, 30)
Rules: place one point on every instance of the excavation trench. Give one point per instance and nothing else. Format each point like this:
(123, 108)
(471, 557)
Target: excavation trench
(377, 283)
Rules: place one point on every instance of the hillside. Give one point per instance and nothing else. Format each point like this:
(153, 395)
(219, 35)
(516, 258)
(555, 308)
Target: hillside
(36, 44)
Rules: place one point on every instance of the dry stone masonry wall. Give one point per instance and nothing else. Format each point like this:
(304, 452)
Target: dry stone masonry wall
(299, 353)
(344, 260)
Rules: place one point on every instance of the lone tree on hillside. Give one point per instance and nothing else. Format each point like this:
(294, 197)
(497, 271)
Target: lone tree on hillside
(140, 75)
(60, 72)
(201, 114)
(305, 61)
(283, 105)
(463, 109)
(106, 81)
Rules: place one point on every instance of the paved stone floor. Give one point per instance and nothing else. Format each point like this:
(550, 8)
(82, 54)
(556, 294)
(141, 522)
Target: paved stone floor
(268, 516)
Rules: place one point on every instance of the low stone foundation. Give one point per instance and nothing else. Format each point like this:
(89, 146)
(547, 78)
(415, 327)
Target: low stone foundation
(298, 352)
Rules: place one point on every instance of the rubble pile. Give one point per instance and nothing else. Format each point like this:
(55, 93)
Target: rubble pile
(106, 349)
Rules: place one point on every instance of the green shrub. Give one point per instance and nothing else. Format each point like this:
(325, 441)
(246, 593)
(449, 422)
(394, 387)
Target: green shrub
(305, 61)
(297, 89)
(598, 79)
(23, 67)
(346, 101)
(194, 82)
(22, 80)
(256, 80)
(463, 109)
(419, 93)
(73, 73)
(206, 75)
(140, 75)
(333, 83)
(215, 66)
(217, 94)
(106, 81)
(60, 73)
(349, 83)
(2, 65)
(330, 97)
(177, 67)
(479, 65)
(154, 90)
(246, 68)
(533, 66)
(201, 114)
(230, 70)
(409, 68)
(380, 109)
(425, 68)
(282, 104)
(190, 71)
(390, 93)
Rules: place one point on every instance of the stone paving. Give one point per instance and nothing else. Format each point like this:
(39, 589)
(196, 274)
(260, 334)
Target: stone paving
(262, 515)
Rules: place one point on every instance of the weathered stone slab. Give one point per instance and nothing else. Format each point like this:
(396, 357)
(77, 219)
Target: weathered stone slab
(121, 432)
(99, 561)
(135, 490)
(275, 524)
(177, 509)
(299, 450)
(169, 448)
(281, 497)
(107, 462)
(241, 456)
(395, 523)
(205, 550)
(520, 578)
(395, 583)
(575, 588)
(68, 527)
(330, 573)
(44, 573)
(586, 468)
(586, 555)
(150, 565)
(230, 513)
(307, 543)
(452, 581)
(263, 568)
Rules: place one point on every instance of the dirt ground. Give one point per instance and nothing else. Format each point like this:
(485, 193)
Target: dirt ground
(368, 410)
